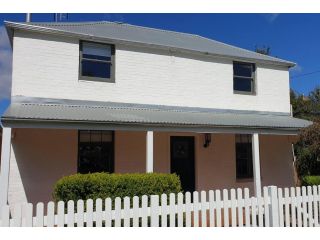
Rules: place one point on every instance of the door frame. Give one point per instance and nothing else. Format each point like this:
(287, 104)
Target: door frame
(196, 140)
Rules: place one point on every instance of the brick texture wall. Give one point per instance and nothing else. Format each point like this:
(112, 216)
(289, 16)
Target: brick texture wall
(47, 66)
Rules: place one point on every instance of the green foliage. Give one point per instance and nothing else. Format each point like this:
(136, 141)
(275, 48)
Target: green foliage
(310, 180)
(104, 185)
(301, 106)
(307, 149)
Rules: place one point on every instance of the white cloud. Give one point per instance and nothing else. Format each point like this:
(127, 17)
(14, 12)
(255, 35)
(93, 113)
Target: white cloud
(5, 64)
(271, 17)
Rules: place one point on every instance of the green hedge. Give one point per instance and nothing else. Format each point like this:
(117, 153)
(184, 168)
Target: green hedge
(310, 180)
(104, 185)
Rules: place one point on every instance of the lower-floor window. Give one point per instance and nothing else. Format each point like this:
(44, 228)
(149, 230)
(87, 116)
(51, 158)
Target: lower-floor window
(95, 151)
(244, 156)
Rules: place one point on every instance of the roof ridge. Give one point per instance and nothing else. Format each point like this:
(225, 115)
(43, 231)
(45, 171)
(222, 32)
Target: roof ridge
(64, 23)
(157, 29)
(243, 49)
(124, 24)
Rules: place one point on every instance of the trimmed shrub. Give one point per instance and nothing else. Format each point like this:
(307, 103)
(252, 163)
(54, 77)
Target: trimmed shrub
(310, 180)
(104, 185)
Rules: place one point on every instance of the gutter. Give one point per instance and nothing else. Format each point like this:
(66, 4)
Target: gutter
(136, 126)
(22, 26)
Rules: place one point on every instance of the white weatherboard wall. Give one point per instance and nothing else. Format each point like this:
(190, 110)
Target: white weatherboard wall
(47, 66)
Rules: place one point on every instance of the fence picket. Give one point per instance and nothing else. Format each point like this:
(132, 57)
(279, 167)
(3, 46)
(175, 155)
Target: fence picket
(5, 216)
(304, 207)
(172, 209)
(211, 208)
(135, 205)
(318, 203)
(247, 203)
(80, 213)
(40, 214)
(225, 208)
(17, 213)
(254, 211)
(98, 212)
(266, 206)
(29, 214)
(233, 207)
(60, 222)
(299, 209)
(280, 202)
(23, 214)
(188, 209)
(117, 211)
(195, 209)
(70, 209)
(108, 212)
(144, 211)
(315, 206)
(50, 214)
(164, 210)
(218, 208)
(293, 207)
(287, 207)
(155, 210)
(260, 211)
(126, 208)
(240, 207)
(310, 200)
(180, 209)
(89, 213)
(203, 209)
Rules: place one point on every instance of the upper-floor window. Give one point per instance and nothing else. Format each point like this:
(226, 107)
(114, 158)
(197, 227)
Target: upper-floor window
(243, 78)
(97, 61)
(244, 166)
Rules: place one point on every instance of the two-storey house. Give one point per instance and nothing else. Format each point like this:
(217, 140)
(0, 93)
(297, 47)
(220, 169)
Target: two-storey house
(113, 97)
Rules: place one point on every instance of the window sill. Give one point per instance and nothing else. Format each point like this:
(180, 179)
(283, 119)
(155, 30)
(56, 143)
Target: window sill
(93, 79)
(244, 93)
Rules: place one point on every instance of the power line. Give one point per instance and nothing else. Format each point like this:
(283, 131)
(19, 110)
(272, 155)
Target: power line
(306, 74)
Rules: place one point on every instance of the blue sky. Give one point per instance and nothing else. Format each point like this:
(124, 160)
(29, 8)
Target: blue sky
(293, 37)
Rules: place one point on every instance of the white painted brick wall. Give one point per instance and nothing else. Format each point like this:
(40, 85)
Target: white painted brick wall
(47, 66)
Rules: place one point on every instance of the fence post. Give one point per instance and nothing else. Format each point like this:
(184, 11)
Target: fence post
(273, 207)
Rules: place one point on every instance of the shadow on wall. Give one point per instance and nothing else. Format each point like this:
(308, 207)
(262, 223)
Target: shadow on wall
(39, 158)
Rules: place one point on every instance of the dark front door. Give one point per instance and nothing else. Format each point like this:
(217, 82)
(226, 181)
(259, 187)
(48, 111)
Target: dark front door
(182, 161)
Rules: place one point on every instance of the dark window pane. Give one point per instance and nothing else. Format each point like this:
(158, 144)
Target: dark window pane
(243, 70)
(96, 49)
(95, 154)
(244, 166)
(242, 84)
(96, 69)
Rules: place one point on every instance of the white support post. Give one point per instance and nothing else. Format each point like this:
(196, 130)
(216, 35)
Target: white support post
(5, 166)
(149, 153)
(256, 164)
(273, 207)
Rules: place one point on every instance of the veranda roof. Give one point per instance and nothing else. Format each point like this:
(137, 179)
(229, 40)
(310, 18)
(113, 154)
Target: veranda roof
(110, 115)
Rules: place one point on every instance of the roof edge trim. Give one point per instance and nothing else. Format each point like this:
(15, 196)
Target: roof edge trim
(34, 28)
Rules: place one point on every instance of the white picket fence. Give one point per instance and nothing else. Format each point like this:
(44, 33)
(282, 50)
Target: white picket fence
(294, 207)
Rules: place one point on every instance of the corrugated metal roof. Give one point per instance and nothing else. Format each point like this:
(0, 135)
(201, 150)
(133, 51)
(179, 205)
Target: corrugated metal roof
(151, 36)
(149, 115)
